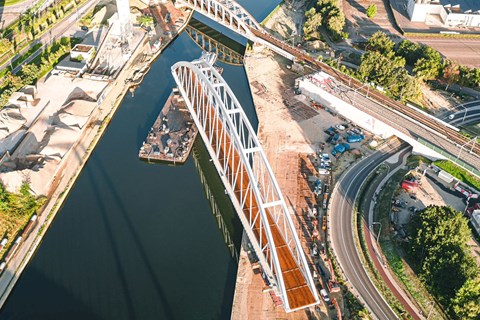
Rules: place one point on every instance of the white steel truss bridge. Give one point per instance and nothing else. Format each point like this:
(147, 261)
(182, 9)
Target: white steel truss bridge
(233, 16)
(209, 44)
(249, 181)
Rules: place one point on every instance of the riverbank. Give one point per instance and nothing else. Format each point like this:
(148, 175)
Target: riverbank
(76, 158)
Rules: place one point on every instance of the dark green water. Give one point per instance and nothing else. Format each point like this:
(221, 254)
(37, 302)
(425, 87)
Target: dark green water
(135, 240)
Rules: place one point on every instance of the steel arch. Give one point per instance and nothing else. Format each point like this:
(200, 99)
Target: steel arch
(207, 43)
(227, 12)
(247, 176)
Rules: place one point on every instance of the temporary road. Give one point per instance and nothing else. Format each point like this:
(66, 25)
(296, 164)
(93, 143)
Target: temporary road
(343, 233)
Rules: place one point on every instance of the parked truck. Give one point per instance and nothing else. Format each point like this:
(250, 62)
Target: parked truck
(340, 148)
(355, 138)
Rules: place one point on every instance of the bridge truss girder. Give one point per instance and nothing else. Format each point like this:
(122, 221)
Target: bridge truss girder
(207, 43)
(227, 12)
(244, 170)
(233, 16)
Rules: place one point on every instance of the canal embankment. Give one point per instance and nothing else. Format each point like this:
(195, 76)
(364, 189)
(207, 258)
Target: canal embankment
(76, 157)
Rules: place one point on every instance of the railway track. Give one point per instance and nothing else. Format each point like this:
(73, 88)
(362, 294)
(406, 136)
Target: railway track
(445, 132)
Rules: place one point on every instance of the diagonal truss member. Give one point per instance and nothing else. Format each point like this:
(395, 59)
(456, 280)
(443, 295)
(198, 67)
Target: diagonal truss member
(227, 12)
(249, 181)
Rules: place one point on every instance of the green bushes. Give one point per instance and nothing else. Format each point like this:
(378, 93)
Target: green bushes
(444, 261)
(459, 173)
(16, 209)
(36, 69)
(372, 10)
(327, 13)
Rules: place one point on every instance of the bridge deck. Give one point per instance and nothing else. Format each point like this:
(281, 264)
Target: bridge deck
(299, 294)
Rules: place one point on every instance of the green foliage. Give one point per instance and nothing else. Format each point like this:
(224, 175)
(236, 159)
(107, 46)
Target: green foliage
(145, 20)
(331, 17)
(29, 73)
(459, 173)
(466, 303)
(410, 51)
(312, 23)
(16, 209)
(439, 248)
(381, 43)
(336, 22)
(390, 74)
(5, 45)
(451, 72)
(428, 67)
(469, 77)
(371, 10)
(37, 68)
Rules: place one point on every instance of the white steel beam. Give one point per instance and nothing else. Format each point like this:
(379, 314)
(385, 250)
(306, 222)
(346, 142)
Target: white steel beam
(210, 106)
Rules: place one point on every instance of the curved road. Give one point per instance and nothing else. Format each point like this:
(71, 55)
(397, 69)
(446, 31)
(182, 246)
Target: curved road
(342, 231)
(464, 114)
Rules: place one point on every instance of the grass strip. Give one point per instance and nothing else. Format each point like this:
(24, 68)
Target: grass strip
(459, 173)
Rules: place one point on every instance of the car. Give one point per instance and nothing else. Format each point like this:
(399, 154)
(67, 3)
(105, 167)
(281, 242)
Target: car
(451, 117)
(339, 127)
(324, 295)
(84, 28)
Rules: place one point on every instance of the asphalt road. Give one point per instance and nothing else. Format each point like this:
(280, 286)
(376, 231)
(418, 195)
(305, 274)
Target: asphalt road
(464, 114)
(463, 51)
(57, 31)
(342, 232)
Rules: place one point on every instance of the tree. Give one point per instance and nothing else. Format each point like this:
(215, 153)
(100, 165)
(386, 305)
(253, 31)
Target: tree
(466, 304)
(405, 87)
(410, 51)
(333, 17)
(12, 81)
(439, 247)
(372, 10)
(451, 72)
(29, 73)
(312, 23)
(380, 42)
(429, 66)
(469, 77)
(5, 45)
(336, 22)
(379, 68)
(426, 69)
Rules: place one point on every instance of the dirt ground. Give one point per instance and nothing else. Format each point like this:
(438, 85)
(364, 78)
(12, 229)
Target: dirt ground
(431, 192)
(360, 27)
(291, 132)
(288, 20)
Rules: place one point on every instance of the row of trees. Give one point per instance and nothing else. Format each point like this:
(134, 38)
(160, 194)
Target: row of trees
(384, 64)
(34, 70)
(428, 65)
(31, 23)
(381, 66)
(328, 14)
(444, 262)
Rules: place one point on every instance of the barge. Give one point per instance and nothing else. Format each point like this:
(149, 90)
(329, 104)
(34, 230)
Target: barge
(171, 137)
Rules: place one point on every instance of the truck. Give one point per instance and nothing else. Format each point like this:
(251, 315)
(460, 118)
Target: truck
(317, 187)
(355, 138)
(340, 148)
(335, 138)
(330, 131)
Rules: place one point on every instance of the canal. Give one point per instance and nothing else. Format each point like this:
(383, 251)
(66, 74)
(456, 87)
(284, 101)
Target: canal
(135, 240)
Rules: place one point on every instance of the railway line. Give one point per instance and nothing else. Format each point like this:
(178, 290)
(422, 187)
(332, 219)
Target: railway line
(448, 134)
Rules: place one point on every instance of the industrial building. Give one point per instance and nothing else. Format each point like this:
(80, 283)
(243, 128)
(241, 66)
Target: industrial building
(452, 13)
